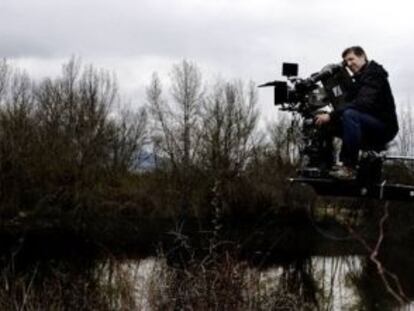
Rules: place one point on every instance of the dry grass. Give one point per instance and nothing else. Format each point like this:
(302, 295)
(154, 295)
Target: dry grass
(57, 285)
(219, 282)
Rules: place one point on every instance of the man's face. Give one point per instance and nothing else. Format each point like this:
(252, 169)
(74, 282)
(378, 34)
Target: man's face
(354, 62)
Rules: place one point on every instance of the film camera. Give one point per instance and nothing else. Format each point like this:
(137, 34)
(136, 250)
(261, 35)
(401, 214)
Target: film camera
(306, 97)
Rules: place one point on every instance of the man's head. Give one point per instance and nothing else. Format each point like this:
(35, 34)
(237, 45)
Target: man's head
(354, 58)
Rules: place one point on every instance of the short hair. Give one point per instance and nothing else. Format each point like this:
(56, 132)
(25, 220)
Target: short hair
(357, 50)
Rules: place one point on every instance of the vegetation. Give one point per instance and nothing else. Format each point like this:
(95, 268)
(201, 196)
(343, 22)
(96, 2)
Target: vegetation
(190, 172)
(69, 152)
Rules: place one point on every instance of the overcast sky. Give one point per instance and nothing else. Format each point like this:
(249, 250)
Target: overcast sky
(234, 38)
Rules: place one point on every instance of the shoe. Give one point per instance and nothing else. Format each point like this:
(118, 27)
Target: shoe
(344, 173)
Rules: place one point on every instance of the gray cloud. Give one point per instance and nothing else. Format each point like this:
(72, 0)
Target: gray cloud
(128, 28)
(244, 38)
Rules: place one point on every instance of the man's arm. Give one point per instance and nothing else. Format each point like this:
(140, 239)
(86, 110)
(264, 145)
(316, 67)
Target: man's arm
(367, 97)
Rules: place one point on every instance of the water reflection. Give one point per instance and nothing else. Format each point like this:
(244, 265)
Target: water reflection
(321, 282)
(333, 275)
(314, 283)
(220, 283)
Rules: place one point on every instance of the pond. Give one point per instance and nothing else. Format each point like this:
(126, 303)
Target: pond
(314, 283)
(288, 267)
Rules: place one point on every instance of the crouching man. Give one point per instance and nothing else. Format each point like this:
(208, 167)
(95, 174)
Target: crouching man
(368, 119)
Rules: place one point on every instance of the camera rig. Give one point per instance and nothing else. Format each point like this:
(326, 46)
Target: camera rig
(308, 97)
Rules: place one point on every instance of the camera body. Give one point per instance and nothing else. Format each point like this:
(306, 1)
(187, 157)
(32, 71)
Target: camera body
(328, 86)
(306, 97)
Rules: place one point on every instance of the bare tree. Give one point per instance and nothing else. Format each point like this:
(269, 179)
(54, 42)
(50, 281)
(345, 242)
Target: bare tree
(59, 144)
(17, 138)
(4, 77)
(163, 136)
(176, 124)
(284, 134)
(405, 138)
(73, 115)
(186, 90)
(229, 123)
(130, 139)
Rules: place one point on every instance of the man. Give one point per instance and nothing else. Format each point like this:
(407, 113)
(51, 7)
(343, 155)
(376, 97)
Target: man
(367, 119)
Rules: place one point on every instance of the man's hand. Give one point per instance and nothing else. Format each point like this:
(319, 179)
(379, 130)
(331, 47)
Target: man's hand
(322, 118)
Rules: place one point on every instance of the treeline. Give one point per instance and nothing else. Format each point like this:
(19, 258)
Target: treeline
(67, 146)
(60, 148)
(208, 148)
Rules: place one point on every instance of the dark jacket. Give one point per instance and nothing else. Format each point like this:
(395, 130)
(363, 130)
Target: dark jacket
(371, 93)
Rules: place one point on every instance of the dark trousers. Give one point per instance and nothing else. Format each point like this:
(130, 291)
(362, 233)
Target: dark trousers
(360, 131)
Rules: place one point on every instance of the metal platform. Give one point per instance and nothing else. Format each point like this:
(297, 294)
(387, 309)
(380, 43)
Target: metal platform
(354, 188)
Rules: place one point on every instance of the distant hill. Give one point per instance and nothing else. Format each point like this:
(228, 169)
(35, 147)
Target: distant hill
(145, 161)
